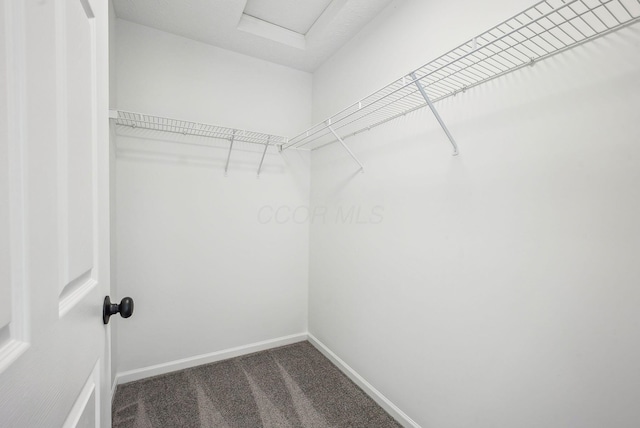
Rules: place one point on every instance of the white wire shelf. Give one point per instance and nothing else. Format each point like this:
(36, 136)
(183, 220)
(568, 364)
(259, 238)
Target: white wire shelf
(176, 126)
(184, 127)
(545, 29)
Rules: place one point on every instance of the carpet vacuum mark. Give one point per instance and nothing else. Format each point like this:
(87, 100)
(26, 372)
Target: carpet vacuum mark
(288, 387)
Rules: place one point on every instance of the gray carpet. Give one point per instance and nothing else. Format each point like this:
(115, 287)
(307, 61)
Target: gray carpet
(291, 386)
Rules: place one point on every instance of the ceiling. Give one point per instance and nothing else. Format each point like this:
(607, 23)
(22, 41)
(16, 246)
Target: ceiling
(297, 33)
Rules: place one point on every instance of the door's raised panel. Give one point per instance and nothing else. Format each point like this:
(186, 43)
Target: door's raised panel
(88, 416)
(85, 412)
(5, 335)
(77, 136)
(6, 294)
(80, 138)
(12, 310)
(5, 227)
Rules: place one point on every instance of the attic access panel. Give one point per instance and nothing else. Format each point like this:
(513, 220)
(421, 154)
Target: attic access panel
(294, 15)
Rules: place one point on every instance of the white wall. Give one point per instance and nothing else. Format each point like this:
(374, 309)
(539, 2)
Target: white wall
(499, 287)
(159, 73)
(205, 272)
(406, 35)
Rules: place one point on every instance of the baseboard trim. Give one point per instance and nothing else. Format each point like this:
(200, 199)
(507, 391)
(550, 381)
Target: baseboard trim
(376, 395)
(185, 363)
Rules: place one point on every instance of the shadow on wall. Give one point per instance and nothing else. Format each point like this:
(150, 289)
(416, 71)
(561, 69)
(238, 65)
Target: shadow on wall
(157, 147)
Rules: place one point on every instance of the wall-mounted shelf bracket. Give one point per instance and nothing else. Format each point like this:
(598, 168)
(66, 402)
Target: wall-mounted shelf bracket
(345, 146)
(264, 153)
(435, 112)
(226, 167)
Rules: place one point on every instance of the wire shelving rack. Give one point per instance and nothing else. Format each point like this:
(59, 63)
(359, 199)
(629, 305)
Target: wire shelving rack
(177, 126)
(547, 28)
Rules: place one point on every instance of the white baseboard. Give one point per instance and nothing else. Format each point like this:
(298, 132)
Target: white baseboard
(185, 363)
(376, 395)
(158, 369)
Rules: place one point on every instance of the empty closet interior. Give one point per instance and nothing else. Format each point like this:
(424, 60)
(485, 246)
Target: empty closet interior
(442, 197)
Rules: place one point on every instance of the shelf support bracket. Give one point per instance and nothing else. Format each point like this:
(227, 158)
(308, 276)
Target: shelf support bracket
(266, 146)
(435, 113)
(346, 148)
(226, 167)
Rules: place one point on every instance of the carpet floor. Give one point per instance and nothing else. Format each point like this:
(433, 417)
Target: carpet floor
(291, 386)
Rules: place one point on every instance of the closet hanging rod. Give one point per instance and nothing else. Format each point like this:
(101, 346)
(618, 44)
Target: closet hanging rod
(184, 127)
(545, 29)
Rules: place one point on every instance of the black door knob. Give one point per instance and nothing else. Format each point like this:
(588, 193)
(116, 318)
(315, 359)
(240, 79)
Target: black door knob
(125, 308)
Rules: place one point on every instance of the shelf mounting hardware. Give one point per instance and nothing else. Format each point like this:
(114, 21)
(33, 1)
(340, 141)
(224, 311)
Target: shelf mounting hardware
(264, 153)
(345, 147)
(435, 113)
(226, 167)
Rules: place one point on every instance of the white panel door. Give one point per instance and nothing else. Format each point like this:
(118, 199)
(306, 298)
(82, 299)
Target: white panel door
(54, 225)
